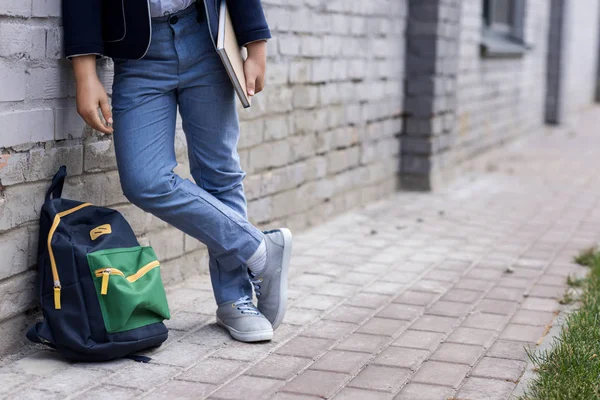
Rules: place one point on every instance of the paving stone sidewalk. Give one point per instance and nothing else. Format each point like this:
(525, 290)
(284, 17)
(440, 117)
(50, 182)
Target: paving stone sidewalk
(420, 296)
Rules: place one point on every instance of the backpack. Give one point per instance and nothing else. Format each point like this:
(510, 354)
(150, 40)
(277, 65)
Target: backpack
(100, 292)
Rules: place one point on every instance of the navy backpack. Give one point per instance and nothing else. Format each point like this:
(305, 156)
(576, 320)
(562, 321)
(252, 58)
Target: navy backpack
(100, 292)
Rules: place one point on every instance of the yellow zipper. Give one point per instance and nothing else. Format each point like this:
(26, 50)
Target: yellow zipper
(106, 272)
(55, 276)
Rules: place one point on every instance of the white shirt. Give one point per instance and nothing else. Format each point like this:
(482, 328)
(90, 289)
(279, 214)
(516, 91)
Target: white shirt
(159, 8)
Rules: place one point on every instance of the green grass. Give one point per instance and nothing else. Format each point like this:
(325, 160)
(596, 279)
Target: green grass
(570, 370)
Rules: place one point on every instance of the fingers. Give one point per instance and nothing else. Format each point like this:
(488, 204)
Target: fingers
(91, 117)
(106, 112)
(260, 83)
(251, 85)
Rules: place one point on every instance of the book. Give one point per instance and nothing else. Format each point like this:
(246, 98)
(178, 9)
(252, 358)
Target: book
(231, 54)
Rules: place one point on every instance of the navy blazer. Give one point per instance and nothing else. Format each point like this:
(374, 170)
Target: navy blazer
(122, 28)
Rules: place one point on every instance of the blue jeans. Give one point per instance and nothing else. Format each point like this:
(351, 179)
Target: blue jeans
(183, 69)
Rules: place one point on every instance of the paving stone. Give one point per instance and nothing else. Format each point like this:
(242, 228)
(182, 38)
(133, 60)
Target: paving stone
(337, 289)
(449, 309)
(458, 353)
(185, 321)
(351, 314)
(431, 286)
(400, 311)
(496, 307)
(317, 302)
(382, 287)
(529, 317)
(480, 337)
(212, 370)
(522, 333)
(248, 387)
(318, 383)
(462, 296)
(362, 343)
(181, 354)
(303, 346)
(485, 389)
(376, 377)
(10, 380)
(484, 321)
(539, 304)
(383, 326)
(416, 298)
(435, 323)
(509, 349)
(181, 390)
(499, 368)
(401, 357)
(347, 362)
(360, 394)
(330, 329)
(276, 366)
(473, 284)
(42, 363)
(441, 373)
(294, 396)
(504, 293)
(368, 300)
(37, 394)
(301, 316)
(418, 339)
(242, 352)
(67, 381)
(419, 391)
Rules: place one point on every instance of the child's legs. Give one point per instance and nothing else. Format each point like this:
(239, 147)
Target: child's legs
(144, 109)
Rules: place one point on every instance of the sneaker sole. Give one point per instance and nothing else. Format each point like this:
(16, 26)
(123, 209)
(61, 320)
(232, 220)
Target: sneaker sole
(248, 337)
(283, 279)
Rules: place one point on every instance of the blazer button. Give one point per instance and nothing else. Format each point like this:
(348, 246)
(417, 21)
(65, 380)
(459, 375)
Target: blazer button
(173, 20)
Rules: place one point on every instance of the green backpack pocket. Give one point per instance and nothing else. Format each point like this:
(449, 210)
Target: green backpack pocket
(129, 287)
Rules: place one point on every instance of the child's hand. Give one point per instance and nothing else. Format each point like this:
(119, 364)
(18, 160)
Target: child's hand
(255, 66)
(91, 94)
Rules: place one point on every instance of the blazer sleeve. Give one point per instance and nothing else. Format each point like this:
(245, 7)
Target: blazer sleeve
(82, 24)
(248, 18)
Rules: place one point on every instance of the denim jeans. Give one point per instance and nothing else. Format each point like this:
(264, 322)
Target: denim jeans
(183, 69)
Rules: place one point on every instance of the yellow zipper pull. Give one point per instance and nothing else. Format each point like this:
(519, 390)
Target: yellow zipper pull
(105, 276)
(57, 295)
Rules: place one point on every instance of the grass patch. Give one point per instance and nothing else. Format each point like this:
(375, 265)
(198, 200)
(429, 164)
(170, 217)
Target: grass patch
(570, 370)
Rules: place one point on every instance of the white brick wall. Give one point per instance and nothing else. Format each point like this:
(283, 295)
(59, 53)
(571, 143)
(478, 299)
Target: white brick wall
(321, 138)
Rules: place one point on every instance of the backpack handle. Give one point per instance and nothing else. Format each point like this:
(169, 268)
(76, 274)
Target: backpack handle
(56, 187)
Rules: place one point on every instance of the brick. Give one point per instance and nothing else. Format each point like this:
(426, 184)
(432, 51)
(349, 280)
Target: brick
(246, 386)
(318, 383)
(485, 389)
(301, 316)
(46, 8)
(276, 366)
(318, 302)
(418, 339)
(20, 8)
(354, 315)
(457, 353)
(434, 323)
(441, 373)
(380, 378)
(13, 88)
(180, 390)
(305, 347)
(547, 291)
(347, 362)
(401, 357)
(400, 311)
(418, 391)
(499, 368)
(22, 40)
(44, 162)
(330, 329)
(496, 307)
(383, 326)
(368, 300)
(41, 363)
(18, 294)
(293, 396)
(26, 126)
(212, 370)
(144, 376)
(180, 355)
(100, 156)
(523, 333)
(484, 321)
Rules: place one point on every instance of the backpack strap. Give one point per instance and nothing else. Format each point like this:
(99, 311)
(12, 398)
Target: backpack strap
(56, 187)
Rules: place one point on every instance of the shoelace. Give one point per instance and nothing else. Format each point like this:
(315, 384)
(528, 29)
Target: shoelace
(255, 282)
(246, 306)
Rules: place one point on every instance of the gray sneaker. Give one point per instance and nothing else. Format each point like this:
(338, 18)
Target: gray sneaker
(243, 321)
(271, 284)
